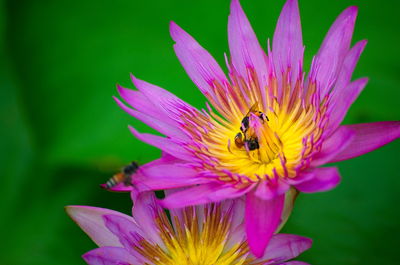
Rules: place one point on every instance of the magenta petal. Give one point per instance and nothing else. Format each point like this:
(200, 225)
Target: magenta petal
(140, 102)
(368, 137)
(295, 262)
(269, 189)
(198, 63)
(201, 194)
(167, 104)
(341, 104)
(334, 48)
(287, 46)
(245, 49)
(145, 210)
(167, 176)
(262, 219)
(125, 229)
(156, 124)
(349, 64)
(90, 219)
(324, 179)
(162, 143)
(336, 143)
(109, 256)
(284, 247)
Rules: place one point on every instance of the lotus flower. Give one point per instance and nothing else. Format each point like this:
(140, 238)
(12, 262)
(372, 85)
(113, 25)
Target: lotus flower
(270, 126)
(211, 234)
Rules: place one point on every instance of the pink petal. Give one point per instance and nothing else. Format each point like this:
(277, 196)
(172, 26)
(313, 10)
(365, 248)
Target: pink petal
(202, 194)
(284, 247)
(262, 220)
(198, 63)
(145, 210)
(245, 49)
(90, 219)
(158, 125)
(109, 256)
(324, 179)
(269, 189)
(287, 46)
(164, 144)
(166, 103)
(349, 64)
(341, 104)
(332, 146)
(167, 176)
(125, 229)
(295, 262)
(140, 102)
(368, 137)
(333, 49)
(290, 199)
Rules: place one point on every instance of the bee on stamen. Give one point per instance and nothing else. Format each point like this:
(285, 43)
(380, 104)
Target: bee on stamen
(122, 177)
(244, 126)
(239, 140)
(247, 135)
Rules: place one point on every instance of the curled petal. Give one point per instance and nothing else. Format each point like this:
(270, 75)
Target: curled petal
(368, 137)
(324, 179)
(109, 256)
(262, 220)
(284, 247)
(90, 219)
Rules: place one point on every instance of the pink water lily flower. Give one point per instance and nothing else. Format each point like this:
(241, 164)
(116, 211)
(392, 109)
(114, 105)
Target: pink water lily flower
(209, 234)
(269, 127)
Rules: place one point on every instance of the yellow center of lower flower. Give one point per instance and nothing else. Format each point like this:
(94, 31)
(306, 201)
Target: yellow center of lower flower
(191, 241)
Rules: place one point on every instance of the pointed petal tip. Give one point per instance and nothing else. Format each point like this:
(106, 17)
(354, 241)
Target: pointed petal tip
(122, 91)
(350, 13)
(291, 4)
(235, 7)
(73, 210)
(134, 80)
(174, 30)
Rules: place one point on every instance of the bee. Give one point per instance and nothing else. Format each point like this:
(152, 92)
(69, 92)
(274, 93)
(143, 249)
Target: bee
(244, 126)
(247, 136)
(122, 177)
(251, 143)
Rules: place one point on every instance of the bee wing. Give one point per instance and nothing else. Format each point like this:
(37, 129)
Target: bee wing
(253, 108)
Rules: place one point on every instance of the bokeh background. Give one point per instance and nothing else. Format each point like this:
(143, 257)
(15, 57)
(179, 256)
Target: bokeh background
(62, 134)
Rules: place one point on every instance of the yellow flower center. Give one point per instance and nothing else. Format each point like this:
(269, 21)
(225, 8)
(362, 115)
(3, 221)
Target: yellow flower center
(261, 134)
(191, 241)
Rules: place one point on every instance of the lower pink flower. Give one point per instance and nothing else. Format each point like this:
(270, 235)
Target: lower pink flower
(209, 234)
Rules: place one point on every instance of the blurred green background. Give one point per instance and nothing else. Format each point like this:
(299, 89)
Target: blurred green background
(62, 134)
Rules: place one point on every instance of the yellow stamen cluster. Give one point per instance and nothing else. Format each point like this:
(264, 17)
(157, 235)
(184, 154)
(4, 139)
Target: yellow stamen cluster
(285, 141)
(195, 241)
